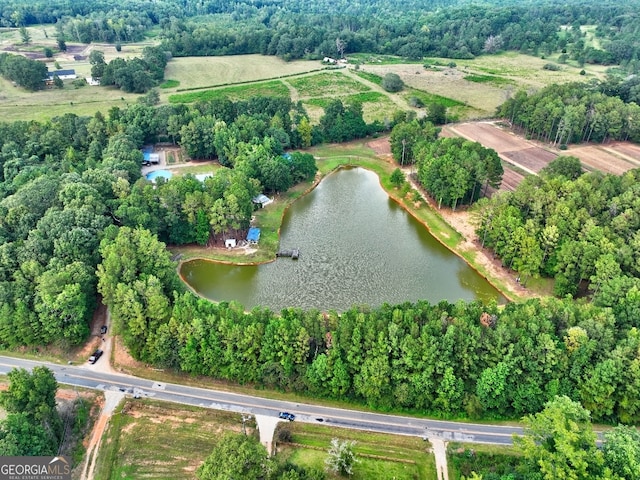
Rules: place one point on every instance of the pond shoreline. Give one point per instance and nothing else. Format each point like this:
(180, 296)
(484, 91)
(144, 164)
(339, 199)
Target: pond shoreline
(438, 225)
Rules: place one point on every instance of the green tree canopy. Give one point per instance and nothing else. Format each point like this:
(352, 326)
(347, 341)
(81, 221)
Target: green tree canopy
(392, 82)
(234, 456)
(559, 442)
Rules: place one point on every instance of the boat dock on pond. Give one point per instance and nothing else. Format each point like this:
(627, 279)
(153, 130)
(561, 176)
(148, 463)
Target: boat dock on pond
(294, 253)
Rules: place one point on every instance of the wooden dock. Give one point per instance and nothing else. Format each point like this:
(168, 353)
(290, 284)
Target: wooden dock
(294, 253)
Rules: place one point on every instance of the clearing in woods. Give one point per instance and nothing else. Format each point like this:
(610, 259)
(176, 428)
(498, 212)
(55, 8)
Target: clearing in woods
(521, 156)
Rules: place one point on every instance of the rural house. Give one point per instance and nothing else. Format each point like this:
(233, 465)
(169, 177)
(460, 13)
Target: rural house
(62, 74)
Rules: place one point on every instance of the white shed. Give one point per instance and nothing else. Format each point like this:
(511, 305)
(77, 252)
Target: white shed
(230, 243)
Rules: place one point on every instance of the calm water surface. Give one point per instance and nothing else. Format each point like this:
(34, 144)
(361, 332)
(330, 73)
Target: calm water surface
(356, 247)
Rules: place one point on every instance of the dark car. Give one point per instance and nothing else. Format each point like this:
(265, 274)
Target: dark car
(287, 416)
(96, 355)
(103, 329)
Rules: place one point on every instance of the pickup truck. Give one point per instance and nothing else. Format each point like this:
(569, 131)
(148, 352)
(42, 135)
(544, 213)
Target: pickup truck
(96, 355)
(287, 416)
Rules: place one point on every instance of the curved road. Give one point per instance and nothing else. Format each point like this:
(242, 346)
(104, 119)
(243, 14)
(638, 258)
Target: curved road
(88, 377)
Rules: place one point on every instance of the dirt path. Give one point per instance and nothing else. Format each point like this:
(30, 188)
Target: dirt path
(112, 399)
(440, 452)
(396, 98)
(461, 221)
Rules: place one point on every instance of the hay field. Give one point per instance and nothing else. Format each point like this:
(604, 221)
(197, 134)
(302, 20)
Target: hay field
(200, 72)
(19, 104)
(512, 71)
(326, 84)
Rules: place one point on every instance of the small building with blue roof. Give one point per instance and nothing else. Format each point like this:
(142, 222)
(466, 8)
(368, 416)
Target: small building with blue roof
(253, 235)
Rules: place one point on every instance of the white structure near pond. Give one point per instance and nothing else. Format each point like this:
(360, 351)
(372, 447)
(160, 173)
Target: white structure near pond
(262, 200)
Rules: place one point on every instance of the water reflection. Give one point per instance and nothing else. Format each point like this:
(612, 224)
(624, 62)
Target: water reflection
(357, 247)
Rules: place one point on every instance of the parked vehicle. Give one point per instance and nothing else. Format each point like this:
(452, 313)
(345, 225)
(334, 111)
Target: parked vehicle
(287, 416)
(103, 329)
(96, 355)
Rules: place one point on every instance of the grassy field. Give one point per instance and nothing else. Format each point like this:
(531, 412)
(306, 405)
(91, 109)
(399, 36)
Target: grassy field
(326, 84)
(237, 92)
(201, 72)
(159, 440)
(474, 88)
(380, 456)
(375, 106)
(483, 83)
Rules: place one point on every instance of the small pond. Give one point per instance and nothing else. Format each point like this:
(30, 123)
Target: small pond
(357, 247)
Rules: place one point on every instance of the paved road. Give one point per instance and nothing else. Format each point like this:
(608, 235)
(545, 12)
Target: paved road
(88, 376)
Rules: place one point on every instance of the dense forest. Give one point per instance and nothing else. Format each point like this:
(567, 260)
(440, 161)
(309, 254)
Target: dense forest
(64, 182)
(581, 229)
(303, 29)
(578, 112)
(73, 202)
(444, 359)
(78, 223)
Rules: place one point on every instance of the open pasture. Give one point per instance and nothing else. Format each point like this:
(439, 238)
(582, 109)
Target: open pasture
(235, 93)
(326, 84)
(202, 72)
(18, 104)
(501, 76)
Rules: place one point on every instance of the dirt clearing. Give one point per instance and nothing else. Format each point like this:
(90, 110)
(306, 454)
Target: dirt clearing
(606, 158)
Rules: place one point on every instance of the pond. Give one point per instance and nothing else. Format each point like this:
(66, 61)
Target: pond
(357, 247)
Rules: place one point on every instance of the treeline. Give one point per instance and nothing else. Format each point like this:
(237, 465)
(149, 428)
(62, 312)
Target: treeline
(32, 426)
(578, 112)
(456, 171)
(562, 422)
(411, 30)
(581, 229)
(24, 71)
(63, 182)
(136, 75)
(444, 359)
(291, 29)
(452, 170)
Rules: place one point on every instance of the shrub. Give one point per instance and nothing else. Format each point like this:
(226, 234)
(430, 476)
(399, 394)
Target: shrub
(392, 82)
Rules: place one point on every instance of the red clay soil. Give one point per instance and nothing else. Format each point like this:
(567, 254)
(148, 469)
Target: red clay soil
(603, 158)
(382, 147)
(534, 158)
